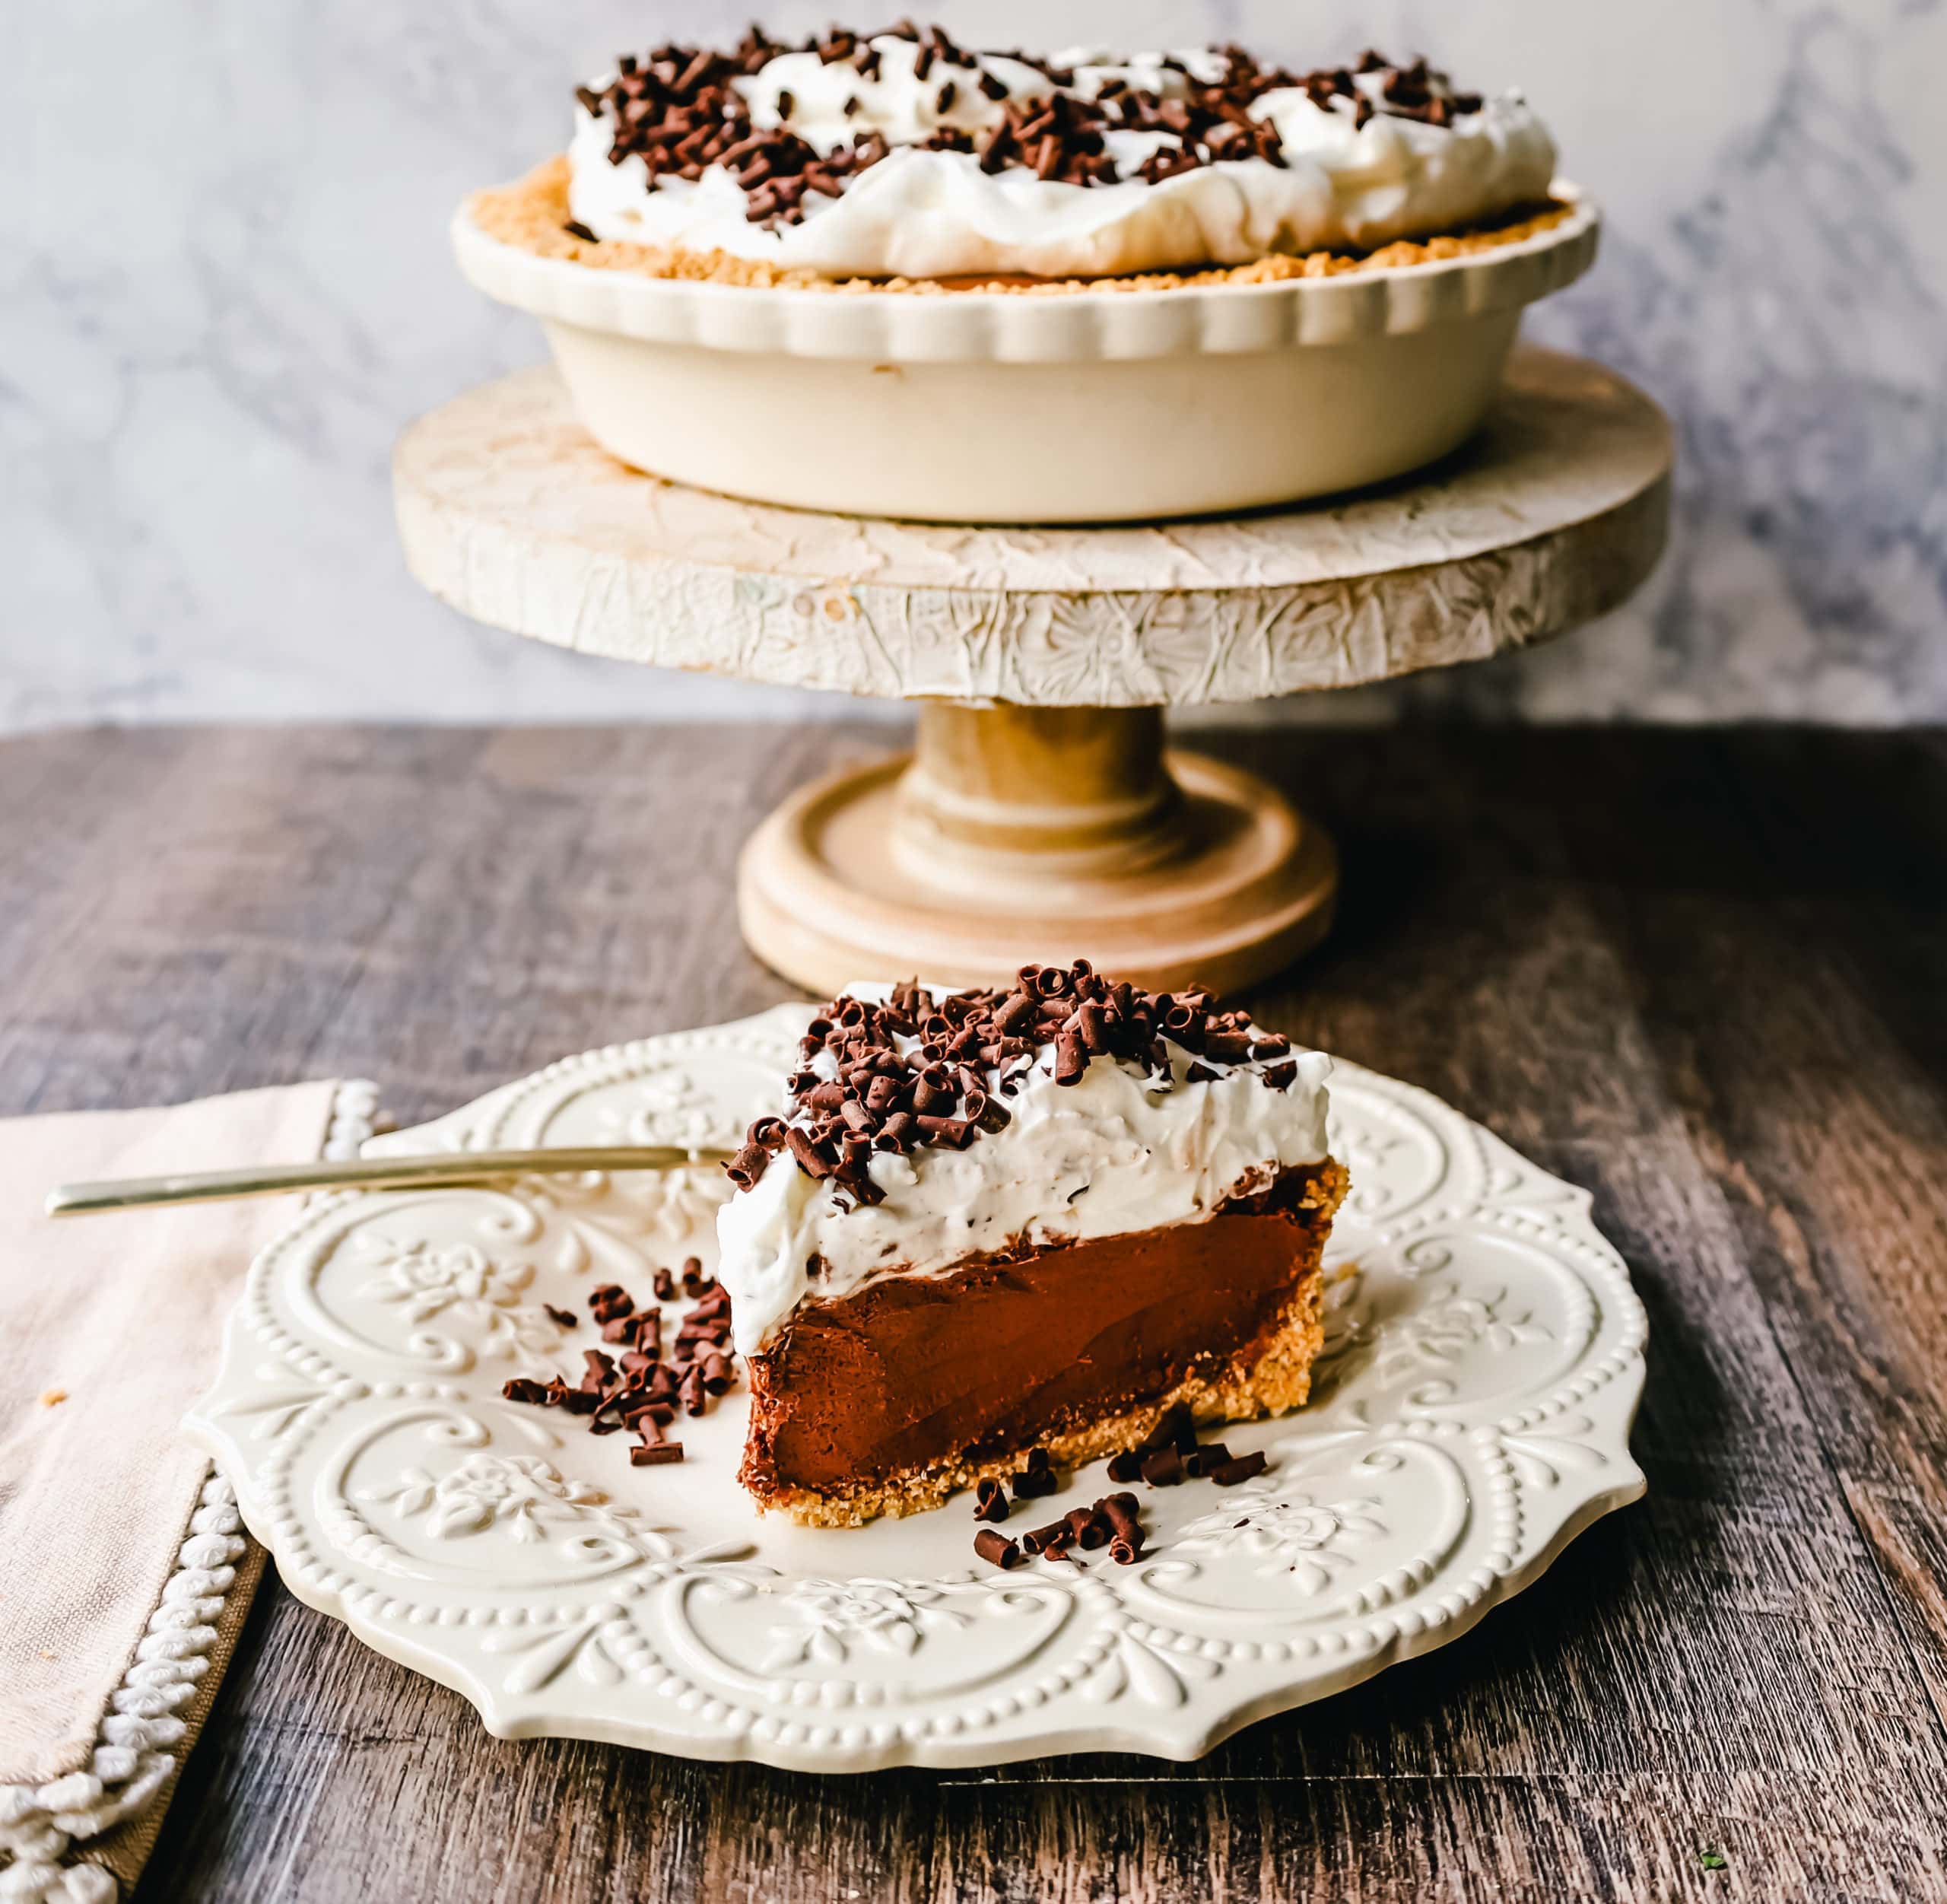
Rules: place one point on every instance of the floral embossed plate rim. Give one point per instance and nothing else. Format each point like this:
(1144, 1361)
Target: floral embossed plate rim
(1483, 1363)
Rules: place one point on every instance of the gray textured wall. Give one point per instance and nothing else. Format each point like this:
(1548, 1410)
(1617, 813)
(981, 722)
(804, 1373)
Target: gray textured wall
(226, 287)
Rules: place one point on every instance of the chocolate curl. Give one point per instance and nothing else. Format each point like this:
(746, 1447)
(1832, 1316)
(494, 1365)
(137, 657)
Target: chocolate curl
(899, 1132)
(933, 1094)
(811, 1160)
(609, 1300)
(1053, 1540)
(1036, 1479)
(1163, 1469)
(1089, 1528)
(665, 1285)
(1126, 1466)
(1177, 1429)
(715, 1374)
(654, 1453)
(990, 1502)
(695, 1282)
(955, 1132)
(996, 1547)
(1241, 1468)
(1071, 1058)
(524, 1389)
(561, 1318)
(1205, 1456)
(1122, 1513)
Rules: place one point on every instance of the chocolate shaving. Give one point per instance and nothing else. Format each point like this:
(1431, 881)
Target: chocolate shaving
(990, 1501)
(575, 229)
(562, 1319)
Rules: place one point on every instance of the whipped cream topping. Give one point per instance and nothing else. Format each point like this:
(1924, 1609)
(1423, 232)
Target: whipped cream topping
(1349, 173)
(1124, 1148)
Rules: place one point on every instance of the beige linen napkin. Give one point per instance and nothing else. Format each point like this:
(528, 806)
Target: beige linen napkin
(124, 1574)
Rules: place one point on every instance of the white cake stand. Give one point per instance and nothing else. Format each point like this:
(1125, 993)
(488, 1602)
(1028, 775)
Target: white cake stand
(1040, 815)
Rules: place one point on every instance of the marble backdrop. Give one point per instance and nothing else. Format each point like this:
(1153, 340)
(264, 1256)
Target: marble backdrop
(227, 286)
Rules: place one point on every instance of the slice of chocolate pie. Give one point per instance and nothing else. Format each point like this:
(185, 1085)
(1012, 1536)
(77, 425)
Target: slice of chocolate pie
(991, 1221)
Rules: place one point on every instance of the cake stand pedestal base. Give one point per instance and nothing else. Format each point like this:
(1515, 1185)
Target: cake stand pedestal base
(1040, 816)
(1015, 834)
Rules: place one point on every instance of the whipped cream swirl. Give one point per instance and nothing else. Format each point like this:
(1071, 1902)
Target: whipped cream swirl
(1351, 177)
(1121, 1150)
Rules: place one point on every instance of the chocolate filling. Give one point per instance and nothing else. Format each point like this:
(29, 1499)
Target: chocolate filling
(1001, 1353)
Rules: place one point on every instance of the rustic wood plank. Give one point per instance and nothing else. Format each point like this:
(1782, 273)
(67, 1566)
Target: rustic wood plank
(1698, 972)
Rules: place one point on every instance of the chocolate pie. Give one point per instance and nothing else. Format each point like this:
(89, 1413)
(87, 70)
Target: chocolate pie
(990, 1221)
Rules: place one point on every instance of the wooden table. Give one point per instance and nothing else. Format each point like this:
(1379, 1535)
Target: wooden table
(1701, 973)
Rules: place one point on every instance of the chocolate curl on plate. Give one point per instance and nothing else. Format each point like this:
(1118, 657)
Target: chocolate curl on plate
(991, 1545)
(658, 1454)
(1163, 1469)
(990, 1502)
(1089, 1528)
(608, 1300)
(1053, 1540)
(1177, 1429)
(1122, 1514)
(1036, 1479)
(1243, 1468)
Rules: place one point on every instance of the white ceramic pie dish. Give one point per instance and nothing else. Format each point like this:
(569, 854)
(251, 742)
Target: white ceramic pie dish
(996, 407)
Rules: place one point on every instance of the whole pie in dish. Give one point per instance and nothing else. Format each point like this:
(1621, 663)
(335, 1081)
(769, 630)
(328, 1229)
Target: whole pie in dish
(849, 275)
(988, 1222)
(904, 160)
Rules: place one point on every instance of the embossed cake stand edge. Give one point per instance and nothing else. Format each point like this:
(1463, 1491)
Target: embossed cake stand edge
(1042, 815)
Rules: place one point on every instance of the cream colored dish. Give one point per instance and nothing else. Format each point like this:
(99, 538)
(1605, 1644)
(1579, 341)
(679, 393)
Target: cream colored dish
(990, 406)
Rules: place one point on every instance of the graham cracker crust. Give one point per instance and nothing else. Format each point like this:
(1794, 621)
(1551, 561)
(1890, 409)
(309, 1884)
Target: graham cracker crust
(1272, 1377)
(532, 213)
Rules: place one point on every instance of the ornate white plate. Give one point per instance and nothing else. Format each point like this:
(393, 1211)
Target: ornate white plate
(1483, 1361)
